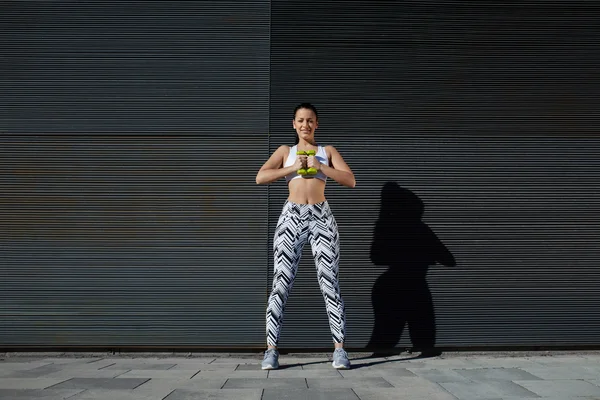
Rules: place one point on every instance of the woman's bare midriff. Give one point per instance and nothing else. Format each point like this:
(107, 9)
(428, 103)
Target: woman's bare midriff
(306, 191)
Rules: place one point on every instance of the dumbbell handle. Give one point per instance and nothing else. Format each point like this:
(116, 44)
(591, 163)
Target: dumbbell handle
(306, 171)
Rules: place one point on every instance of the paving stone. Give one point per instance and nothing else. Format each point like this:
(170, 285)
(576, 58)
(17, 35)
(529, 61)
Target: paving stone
(568, 372)
(404, 358)
(70, 360)
(37, 354)
(216, 394)
(550, 398)
(181, 360)
(559, 360)
(504, 362)
(21, 366)
(486, 390)
(299, 373)
(384, 365)
(188, 367)
(415, 365)
(290, 367)
(347, 383)
(106, 394)
(399, 394)
(594, 369)
(100, 364)
(6, 373)
(86, 373)
(231, 374)
(205, 383)
(162, 387)
(88, 366)
(418, 387)
(582, 362)
(451, 363)
(379, 363)
(440, 375)
(141, 366)
(27, 394)
(374, 372)
(35, 372)
(18, 359)
(223, 367)
(309, 394)
(29, 383)
(213, 367)
(226, 360)
(406, 379)
(501, 374)
(561, 388)
(100, 383)
(248, 367)
(149, 373)
(317, 365)
(234, 383)
(286, 360)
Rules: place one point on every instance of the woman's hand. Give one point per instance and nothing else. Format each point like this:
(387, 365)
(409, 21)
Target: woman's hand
(272, 169)
(313, 162)
(299, 163)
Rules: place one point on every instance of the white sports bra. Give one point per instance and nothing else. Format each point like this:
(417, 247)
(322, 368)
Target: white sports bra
(321, 156)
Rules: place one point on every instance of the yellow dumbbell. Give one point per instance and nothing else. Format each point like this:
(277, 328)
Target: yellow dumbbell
(307, 171)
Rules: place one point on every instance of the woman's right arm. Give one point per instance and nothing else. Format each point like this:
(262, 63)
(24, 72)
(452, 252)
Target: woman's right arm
(271, 169)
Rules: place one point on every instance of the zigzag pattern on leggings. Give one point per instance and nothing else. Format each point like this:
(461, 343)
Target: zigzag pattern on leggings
(300, 224)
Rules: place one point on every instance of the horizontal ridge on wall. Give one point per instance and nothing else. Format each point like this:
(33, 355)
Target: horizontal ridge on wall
(135, 244)
(472, 123)
(129, 216)
(120, 67)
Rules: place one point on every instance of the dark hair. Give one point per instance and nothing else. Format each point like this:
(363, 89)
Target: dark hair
(309, 107)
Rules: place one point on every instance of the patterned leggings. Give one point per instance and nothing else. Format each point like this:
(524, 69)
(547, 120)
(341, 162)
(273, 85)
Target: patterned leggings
(297, 225)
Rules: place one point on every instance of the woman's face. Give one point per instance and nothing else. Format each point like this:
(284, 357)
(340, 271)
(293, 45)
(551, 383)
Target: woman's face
(305, 124)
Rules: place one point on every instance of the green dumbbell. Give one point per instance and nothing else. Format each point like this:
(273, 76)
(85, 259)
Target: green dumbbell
(307, 171)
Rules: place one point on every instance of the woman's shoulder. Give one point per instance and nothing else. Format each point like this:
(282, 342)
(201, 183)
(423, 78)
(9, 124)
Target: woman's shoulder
(283, 149)
(329, 150)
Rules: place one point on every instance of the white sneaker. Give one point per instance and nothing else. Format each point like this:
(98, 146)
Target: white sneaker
(271, 360)
(340, 359)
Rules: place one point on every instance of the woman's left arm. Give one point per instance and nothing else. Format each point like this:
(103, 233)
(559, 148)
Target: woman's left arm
(339, 170)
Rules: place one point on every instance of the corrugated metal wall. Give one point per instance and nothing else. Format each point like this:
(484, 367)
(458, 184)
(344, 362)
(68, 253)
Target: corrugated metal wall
(480, 115)
(130, 134)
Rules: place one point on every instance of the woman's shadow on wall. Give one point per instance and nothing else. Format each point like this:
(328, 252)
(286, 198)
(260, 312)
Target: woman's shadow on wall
(401, 296)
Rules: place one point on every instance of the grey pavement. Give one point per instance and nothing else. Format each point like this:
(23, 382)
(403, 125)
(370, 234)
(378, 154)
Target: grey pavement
(221, 376)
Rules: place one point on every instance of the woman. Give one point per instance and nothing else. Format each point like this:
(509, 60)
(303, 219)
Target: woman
(306, 217)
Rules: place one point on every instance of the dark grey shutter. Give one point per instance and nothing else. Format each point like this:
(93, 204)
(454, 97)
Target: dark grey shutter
(131, 136)
(131, 133)
(480, 115)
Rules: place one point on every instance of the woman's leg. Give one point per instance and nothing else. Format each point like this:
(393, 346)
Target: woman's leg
(325, 245)
(291, 235)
